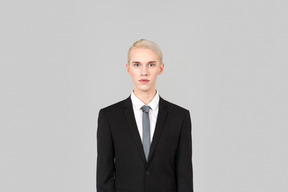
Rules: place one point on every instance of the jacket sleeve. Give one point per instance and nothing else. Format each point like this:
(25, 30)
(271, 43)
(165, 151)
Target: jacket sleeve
(105, 156)
(184, 158)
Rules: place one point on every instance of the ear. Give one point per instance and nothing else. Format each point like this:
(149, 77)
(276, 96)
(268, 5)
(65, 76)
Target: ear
(128, 68)
(161, 69)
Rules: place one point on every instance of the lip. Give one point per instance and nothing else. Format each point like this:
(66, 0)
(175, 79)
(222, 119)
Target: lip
(144, 81)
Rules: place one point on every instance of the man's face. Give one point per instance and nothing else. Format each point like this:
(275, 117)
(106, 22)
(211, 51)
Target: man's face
(144, 67)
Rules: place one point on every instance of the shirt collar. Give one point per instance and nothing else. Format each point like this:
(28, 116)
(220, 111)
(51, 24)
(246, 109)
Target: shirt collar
(138, 103)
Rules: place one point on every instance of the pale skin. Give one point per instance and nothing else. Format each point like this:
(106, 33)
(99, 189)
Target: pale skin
(144, 66)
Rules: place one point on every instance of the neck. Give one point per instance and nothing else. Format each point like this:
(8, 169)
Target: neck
(145, 97)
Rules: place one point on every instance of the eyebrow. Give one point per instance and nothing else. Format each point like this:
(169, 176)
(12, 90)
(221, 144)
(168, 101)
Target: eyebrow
(140, 62)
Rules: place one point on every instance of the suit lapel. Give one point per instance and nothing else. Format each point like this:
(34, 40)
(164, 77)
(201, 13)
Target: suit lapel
(160, 123)
(133, 127)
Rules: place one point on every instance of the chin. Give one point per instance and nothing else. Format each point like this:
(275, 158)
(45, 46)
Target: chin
(144, 89)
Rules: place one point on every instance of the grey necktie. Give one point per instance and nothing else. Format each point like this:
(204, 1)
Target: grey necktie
(146, 130)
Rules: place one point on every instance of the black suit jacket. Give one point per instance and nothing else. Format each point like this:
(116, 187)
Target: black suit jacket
(121, 163)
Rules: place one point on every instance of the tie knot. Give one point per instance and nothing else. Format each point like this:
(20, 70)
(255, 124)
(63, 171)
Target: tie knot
(145, 108)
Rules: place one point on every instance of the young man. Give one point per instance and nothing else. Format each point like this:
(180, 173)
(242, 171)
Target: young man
(144, 142)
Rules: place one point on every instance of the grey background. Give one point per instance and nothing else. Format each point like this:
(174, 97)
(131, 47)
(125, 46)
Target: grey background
(225, 61)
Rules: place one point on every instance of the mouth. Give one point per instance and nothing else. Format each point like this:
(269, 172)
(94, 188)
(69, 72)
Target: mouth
(144, 81)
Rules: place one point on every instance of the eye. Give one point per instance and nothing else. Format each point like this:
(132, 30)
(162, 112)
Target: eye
(136, 65)
(151, 65)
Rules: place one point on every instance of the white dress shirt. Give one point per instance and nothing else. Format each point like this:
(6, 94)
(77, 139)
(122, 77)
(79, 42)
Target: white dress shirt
(153, 112)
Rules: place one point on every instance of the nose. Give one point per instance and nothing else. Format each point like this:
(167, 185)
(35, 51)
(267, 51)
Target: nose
(144, 71)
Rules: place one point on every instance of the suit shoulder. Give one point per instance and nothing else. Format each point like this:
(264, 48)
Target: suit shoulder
(174, 107)
(113, 107)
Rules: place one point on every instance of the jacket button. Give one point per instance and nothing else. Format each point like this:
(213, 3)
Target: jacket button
(147, 172)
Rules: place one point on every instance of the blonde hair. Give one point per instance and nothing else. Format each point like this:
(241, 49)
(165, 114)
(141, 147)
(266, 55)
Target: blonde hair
(144, 43)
